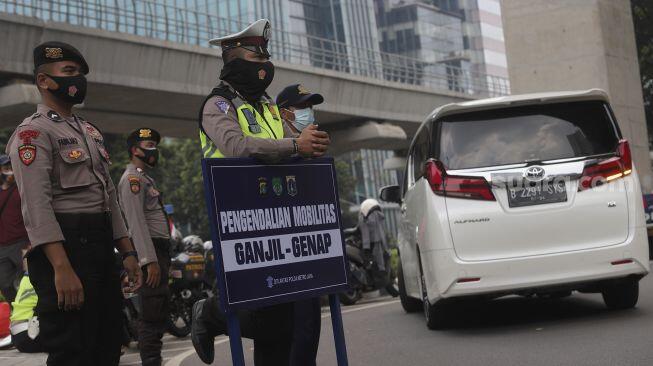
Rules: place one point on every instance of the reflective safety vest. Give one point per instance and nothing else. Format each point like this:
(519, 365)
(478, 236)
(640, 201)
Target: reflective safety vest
(252, 123)
(25, 301)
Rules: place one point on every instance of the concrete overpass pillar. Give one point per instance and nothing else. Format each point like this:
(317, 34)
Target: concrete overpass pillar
(580, 44)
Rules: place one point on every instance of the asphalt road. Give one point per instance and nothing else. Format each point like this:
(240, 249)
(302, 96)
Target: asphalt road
(578, 330)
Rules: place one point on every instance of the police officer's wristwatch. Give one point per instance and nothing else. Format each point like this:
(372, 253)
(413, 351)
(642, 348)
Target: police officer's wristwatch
(295, 147)
(131, 253)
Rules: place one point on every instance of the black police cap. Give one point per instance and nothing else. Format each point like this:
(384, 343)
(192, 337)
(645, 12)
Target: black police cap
(49, 52)
(143, 134)
(297, 94)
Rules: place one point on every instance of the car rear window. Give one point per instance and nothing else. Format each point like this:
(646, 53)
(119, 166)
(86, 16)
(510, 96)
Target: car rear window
(528, 133)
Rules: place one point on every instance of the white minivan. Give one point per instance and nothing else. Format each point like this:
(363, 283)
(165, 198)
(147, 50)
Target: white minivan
(528, 194)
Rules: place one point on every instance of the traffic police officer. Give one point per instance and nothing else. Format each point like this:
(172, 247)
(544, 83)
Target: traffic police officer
(72, 217)
(148, 225)
(238, 119)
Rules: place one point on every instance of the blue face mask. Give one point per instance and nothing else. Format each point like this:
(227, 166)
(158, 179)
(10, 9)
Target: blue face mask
(304, 118)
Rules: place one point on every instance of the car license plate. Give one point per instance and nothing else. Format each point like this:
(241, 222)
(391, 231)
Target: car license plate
(537, 193)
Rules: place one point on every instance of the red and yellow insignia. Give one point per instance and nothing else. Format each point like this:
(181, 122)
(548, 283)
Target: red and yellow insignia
(134, 184)
(75, 154)
(28, 135)
(27, 153)
(261, 74)
(93, 132)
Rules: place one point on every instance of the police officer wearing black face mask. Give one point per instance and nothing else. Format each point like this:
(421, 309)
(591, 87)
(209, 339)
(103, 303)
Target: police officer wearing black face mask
(72, 217)
(142, 205)
(238, 119)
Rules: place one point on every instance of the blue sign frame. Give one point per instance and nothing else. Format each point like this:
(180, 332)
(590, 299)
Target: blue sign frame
(293, 207)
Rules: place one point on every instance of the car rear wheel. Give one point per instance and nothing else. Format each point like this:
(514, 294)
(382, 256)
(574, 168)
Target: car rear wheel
(436, 314)
(410, 304)
(623, 295)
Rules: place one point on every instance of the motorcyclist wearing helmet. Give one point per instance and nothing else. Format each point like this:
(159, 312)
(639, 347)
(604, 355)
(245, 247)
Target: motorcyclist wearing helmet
(371, 225)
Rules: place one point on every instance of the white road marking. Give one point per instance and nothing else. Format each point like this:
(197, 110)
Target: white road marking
(177, 360)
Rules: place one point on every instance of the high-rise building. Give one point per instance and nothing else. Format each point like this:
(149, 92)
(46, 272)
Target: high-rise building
(484, 41)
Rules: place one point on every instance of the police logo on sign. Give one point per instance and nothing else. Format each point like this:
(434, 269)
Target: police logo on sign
(291, 185)
(277, 187)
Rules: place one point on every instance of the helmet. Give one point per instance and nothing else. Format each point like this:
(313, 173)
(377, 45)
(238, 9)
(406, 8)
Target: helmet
(193, 243)
(368, 205)
(208, 245)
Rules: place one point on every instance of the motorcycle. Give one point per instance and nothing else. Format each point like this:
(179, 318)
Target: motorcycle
(364, 275)
(188, 284)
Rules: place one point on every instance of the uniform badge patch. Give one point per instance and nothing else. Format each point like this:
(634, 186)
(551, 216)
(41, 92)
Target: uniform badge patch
(53, 52)
(291, 185)
(54, 116)
(223, 106)
(75, 154)
(145, 133)
(262, 186)
(277, 187)
(134, 184)
(27, 153)
(104, 153)
(28, 135)
(302, 90)
(93, 132)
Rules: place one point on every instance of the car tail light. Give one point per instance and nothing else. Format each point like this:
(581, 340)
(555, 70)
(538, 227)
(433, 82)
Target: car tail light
(623, 261)
(468, 279)
(456, 186)
(609, 169)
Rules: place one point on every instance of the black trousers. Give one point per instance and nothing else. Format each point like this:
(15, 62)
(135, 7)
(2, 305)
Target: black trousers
(270, 327)
(306, 337)
(155, 304)
(92, 335)
(284, 334)
(25, 344)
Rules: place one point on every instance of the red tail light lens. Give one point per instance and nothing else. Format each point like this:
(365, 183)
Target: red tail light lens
(456, 186)
(608, 170)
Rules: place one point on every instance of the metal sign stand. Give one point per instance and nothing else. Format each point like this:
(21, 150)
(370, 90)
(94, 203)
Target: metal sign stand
(236, 343)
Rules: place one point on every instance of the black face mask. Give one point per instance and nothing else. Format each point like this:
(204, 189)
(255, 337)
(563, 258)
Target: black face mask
(151, 156)
(72, 89)
(249, 78)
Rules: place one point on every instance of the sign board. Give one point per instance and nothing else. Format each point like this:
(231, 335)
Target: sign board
(276, 230)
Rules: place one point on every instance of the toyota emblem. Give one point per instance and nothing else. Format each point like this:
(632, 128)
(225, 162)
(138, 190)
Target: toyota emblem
(534, 174)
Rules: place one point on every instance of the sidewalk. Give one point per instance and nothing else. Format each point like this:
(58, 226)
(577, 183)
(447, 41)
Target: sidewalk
(15, 358)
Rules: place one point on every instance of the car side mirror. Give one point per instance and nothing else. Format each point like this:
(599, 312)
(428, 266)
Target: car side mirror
(390, 194)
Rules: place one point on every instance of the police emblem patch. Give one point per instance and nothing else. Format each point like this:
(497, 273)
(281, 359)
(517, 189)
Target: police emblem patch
(223, 106)
(134, 184)
(262, 186)
(27, 153)
(291, 185)
(145, 133)
(302, 90)
(75, 154)
(72, 90)
(53, 52)
(261, 74)
(277, 186)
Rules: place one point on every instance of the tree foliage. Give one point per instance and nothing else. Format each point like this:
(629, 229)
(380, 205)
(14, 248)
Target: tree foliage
(643, 22)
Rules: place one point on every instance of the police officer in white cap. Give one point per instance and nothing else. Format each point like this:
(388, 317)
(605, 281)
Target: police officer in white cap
(238, 119)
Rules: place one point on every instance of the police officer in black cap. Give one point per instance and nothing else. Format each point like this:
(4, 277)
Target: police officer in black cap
(142, 205)
(296, 105)
(72, 217)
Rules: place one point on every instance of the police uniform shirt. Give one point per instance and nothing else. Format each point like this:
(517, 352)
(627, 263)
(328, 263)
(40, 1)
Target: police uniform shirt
(62, 166)
(143, 210)
(220, 122)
